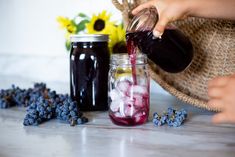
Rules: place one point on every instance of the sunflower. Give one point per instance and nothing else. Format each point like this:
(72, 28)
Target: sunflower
(100, 24)
(66, 23)
(117, 43)
(69, 26)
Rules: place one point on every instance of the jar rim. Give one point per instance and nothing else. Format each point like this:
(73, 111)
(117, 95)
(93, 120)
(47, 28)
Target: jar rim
(146, 19)
(125, 59)
(89, 38)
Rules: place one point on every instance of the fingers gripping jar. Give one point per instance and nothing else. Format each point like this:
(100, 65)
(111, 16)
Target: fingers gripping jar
(128, 90)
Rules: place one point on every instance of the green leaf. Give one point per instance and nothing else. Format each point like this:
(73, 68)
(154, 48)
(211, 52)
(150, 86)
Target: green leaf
(67, 45)
(82, 25)
(122, 25)
(82, 15)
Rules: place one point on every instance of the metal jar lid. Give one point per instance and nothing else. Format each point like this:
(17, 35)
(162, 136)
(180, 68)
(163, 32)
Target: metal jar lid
(89, 38)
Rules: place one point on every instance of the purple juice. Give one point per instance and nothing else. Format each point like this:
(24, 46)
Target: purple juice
(172, 53)
(89, 66)
(130, 99)
(128, 121)
(132, 50)
(129, 103)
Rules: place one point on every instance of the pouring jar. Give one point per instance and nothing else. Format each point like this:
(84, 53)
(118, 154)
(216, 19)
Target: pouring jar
(173, 52)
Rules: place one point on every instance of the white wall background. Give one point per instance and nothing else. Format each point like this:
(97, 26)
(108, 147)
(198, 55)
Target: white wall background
(29, 27)
(31, 43)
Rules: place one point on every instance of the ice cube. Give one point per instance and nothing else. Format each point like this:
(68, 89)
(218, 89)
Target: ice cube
(115, 105)
(127, 108)
(114, 94)
(123, 86)
(139, 101)
(137, 89)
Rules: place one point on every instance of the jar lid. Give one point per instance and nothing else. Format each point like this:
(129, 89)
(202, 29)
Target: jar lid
(89, 38)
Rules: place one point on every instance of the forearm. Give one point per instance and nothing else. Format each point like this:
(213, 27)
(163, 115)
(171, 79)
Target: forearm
(222, 9)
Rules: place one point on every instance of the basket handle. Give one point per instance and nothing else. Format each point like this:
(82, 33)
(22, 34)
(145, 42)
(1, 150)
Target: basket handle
(118, 5)
(125, 6)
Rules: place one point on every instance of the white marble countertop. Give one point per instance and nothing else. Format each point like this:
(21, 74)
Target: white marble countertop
(99, 137)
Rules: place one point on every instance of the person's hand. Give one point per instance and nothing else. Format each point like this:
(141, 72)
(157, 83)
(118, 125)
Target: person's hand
(168, 11)
(221, 92)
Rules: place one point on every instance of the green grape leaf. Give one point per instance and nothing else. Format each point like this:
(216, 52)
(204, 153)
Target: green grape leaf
(67, 45)
(82, 15)
(82, 25)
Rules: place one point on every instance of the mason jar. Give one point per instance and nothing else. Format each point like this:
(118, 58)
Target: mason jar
(89, 66)
(128, 87)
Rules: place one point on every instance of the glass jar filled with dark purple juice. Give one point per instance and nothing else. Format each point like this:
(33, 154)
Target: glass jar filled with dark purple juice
(89, 66)
(173, 52)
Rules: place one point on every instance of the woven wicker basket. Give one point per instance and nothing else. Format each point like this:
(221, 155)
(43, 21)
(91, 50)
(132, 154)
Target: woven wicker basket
(214, 55)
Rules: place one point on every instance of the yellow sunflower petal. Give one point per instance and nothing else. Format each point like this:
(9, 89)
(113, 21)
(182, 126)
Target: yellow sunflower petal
(71, 29)
(113, 38)
(104, 15)
(121, 33)
(63, 21)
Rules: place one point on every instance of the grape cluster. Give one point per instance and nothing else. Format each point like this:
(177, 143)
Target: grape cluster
(67, 111)
(43, 105)
(172, 117)
(16, 96)
(6, 98)
(39, 111)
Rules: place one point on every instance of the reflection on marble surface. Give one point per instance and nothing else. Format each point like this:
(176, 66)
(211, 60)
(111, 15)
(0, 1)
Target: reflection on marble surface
(99, 137)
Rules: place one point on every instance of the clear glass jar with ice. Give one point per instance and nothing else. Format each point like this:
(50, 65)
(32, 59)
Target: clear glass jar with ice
(128, 85)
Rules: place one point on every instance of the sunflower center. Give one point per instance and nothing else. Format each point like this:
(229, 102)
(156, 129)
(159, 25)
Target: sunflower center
(99, 25)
